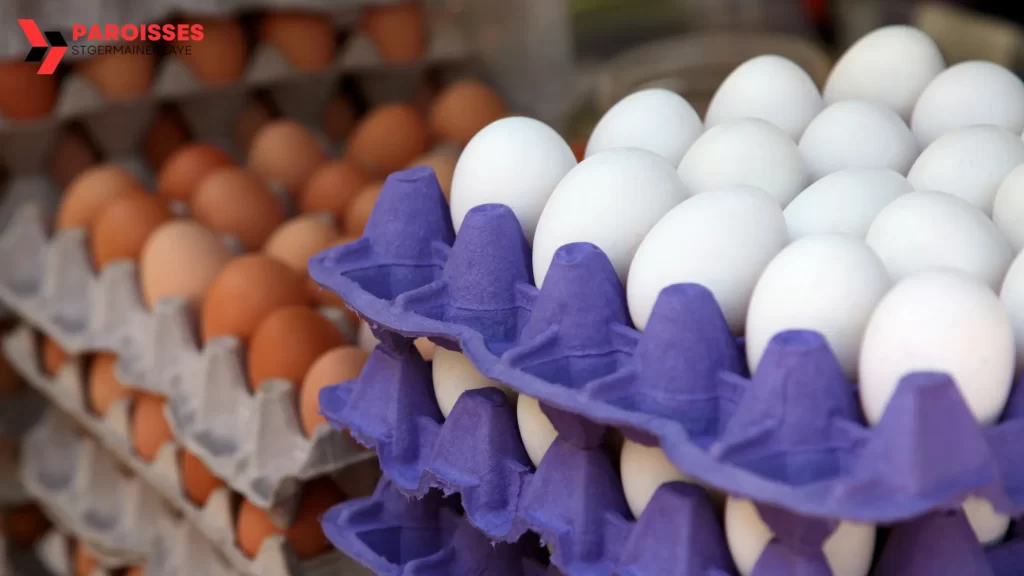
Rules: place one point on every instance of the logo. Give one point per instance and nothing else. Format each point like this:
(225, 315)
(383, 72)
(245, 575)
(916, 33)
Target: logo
(47, 47)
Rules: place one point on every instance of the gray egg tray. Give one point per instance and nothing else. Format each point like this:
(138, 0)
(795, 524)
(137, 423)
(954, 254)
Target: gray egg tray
(55, 550)
(172, 545)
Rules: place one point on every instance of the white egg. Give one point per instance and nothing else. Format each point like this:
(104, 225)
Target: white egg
(455, 374)
(969, 162)
(988, 525)
(829, 284)
(1012, 295)
(535, 428)
(365, 338)
(657, 120)
(848, 550)
(890, 66)
(769, 87)
(857, 134)
(722, 240)
(940, 321)
(928, 230)
(844, 202)
(610, 200)
(1008, 207)
(513, 161)
(643, 470)
(747, 152)
(967, 94)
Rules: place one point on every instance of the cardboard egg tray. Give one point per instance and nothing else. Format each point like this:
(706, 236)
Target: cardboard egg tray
(97, 488)
(56, 552)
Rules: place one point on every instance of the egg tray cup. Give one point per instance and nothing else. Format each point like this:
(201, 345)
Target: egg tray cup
(55, 551)
(214, 521)
(397, 536)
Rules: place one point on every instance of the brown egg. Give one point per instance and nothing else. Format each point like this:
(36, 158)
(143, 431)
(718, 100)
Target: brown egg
(248, 290)
(334, 366)
(238, 202)
(91, 191)
(220, 57)
(388, 138)
(305, 40)
(164, 137)
(443, 162)
(359, 211)
(298, 239)
(339, 118)
(304, 535)
(10, 380)
(104, 387)
(150, 429)
(72, 154)
(197, 479)
(24, 525)
(85, 562)
(54, 357)
(579, 149)
(123, 226)
(463, 109)
(284, 151)
(332, 187)
(182, 172)
(180, 259)
(120, 76)
(255, 115)
(398, 31)
(425, 347)
(25, 95)
(287, 343)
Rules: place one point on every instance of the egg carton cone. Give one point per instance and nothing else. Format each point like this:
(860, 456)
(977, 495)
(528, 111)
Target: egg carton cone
(55, 551)
(21, 189)
(395, 536)
(791, 435)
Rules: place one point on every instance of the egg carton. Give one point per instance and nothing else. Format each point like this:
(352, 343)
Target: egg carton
(55, 553)
(214, 520)
(791, 436)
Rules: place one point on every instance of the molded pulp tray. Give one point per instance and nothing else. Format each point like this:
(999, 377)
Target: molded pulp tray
(792, 438)
(396, 536)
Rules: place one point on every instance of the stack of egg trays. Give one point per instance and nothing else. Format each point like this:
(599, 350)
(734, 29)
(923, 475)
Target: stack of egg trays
(96, 487)
(791, 438)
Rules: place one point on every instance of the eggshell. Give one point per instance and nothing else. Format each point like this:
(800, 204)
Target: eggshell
(515, 161)
(91, 191)
(939, 321)
(966, 94)
(165, 136)
(197, 480)
(928, 230)
(245, 293)
(463, 109)
(335, 366)
(180, 259)
(988, 525)
(857, 134)
(72, 154)
(304, 535)
(256, 114)
(221, 56)
(238, 202)
(655, 119)
(123, 226)
(150, 429)
(890, 65)
(300, 238)
(23, 525)
(287, 342)
(84, 562)
(844, 202)
(25, 95)
(535, 428)
(360, 208)
(455, 374)
(770, 160)
(970, 163)
(829, 284)
(644, 469)
(187, 167)
(771, 88)
(104, 387)
(388, 138)
(848, 551)
(398, 31)
(340, 117)
(1008, 208)
(722, 240)
(119, 77)
(332, 187)
(284, 151)
(306, 40)
(443, 163)
(426, 348)
(1012, 295)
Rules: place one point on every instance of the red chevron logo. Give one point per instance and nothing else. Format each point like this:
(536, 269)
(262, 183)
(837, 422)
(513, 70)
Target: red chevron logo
(48, 48)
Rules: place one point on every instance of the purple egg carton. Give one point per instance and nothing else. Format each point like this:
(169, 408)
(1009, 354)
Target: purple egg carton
(394, 535)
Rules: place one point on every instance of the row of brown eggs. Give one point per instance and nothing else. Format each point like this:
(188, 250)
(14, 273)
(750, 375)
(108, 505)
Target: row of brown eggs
(306, 40)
